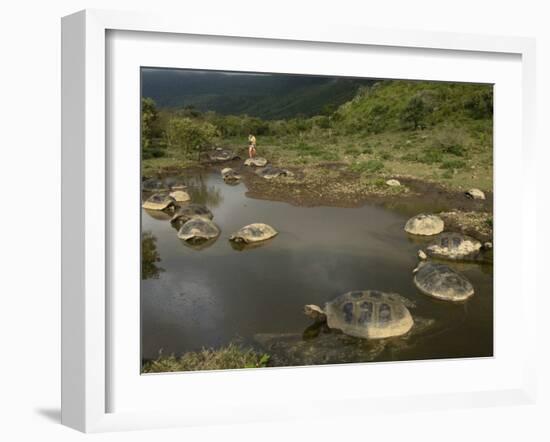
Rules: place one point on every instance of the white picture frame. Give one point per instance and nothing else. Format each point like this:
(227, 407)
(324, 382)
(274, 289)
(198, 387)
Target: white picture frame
(86, 316)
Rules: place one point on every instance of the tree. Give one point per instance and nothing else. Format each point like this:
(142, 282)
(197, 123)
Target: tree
(414, 113)
(480, 105)
(150, 128)
(189, 135)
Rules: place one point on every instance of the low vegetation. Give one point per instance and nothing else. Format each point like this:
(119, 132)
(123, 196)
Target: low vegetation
(428, 130)
(232, 356)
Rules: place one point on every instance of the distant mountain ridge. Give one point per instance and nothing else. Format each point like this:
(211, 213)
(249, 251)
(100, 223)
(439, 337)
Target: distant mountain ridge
(269, 96)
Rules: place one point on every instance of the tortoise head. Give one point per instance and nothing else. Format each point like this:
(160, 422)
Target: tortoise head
(419, 266)
(315, 312)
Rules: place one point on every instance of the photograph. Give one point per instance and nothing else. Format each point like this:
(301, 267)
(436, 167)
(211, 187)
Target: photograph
(303, 220)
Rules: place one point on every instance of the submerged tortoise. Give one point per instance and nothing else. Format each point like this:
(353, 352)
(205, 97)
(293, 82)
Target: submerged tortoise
(180, 196)
(174, 183)
(198, 230)
(159, 201)
(369, 314)
(189, 211)
(442, 282)
(269, 172)
(219, 155)
(253, 233)
(256, 161)
(454, 246)
(424, 224)
(154, 185)
(229, 175)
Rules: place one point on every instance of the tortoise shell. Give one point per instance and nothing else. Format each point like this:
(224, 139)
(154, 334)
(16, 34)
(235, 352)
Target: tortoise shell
(369, 314)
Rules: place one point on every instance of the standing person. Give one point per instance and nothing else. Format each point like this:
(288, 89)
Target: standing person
(251, 146)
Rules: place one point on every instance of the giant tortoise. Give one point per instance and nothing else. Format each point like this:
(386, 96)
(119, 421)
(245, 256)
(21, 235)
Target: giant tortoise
(253, 233)
(442, 282)
(424, 224)
(198, 230)
(189, 211)
(159, 201)
(369, 314)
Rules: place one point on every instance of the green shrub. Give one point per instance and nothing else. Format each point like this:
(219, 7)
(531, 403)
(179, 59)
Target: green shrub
(150, 125)
(431, 156)
(411, 156)
(377, 119)
(153, 152)
(367, 150)
(329, 155)
(457, 150)
(350, 150)
(321, 121)
(480, 104)
(189, 135)
(413, 115)
(450, 140)
(370, 166)
(453, 164)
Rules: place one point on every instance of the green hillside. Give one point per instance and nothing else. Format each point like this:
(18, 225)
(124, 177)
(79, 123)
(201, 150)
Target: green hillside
(267, 96)
(398, 104)
(430, 130)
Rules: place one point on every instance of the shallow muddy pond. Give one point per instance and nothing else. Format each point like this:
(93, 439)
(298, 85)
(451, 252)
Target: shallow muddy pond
(212, 296)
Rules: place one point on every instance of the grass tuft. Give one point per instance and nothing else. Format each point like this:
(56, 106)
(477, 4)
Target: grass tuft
(232, 356)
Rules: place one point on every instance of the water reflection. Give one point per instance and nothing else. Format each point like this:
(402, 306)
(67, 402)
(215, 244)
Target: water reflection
(149, 257)
(242, 246)
(203, 193)
(199, 245)
(158, 214)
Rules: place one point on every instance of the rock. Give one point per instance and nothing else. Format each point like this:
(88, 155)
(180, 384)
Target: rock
(475, 194)
(488, 245)
(287, 349)
(393, 183)
(180, 196)
(422, 255)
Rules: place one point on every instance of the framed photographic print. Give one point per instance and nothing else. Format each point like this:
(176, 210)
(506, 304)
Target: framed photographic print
(290, 213)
